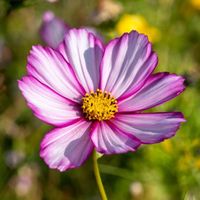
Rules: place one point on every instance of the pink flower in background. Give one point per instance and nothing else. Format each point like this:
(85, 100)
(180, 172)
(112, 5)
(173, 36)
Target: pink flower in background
(53, 29)
(95, 95)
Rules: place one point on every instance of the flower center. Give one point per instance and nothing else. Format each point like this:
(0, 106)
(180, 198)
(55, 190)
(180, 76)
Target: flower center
(99, 105)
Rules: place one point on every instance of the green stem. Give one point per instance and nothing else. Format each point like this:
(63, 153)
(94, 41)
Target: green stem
(98, 177)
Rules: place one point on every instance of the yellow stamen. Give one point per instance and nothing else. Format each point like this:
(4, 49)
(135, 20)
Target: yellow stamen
(99, 105)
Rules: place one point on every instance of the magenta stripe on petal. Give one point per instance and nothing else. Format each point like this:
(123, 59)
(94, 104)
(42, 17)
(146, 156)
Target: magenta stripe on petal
(84, 53)
(110, 140)
(127, 63)
(47, 105)
(51, 69)
(159, 88)
(149, 127)
(68, 147)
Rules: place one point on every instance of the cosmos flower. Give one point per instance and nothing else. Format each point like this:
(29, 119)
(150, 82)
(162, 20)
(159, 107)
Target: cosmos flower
(95, 94)
(53, 29)
(129, 22)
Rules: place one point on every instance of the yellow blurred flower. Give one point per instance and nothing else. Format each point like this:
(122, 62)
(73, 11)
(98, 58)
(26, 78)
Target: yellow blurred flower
(167, 146)
(197, 163)
(189, 161)
(129, 22)
(190, 158)
(186, 162)
(195, 4)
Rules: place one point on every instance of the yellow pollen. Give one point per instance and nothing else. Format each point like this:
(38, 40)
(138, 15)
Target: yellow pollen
(99, 105)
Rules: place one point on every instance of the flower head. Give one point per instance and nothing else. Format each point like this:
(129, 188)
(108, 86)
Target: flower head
(95, 95)
(195, 4)
(53, 29)
(137, 22)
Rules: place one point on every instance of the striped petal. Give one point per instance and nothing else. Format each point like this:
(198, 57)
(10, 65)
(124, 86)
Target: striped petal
(50, 68)
(149, 127)
(159, 88)
(108, 139)
(68, 147)
(127, 63)
(84, 52)
(46, 104)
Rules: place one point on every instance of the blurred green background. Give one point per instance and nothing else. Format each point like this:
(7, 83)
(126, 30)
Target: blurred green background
(165, 171)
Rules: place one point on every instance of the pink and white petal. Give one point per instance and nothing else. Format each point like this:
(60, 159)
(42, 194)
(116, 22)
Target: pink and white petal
(51, 69)
(127, 63)
(108, 139)
(68, 147)
(149, 127)
(159, 88)
(84, 52)
(47, 105)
